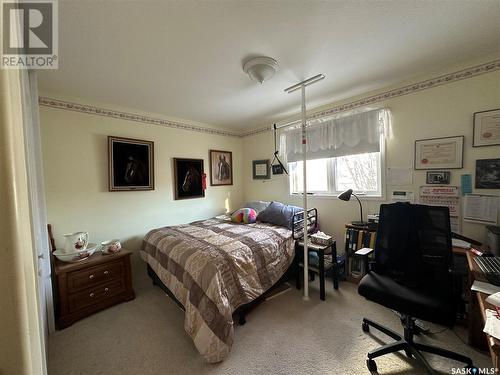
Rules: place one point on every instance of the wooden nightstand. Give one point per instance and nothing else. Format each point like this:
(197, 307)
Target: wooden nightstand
(91, 285)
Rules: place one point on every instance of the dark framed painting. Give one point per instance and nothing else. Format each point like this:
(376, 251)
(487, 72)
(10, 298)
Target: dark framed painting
(221, 168)
(486, 128)
(438, 178)
(261, 169)
(188, 178)
(488, 174)
(130, 164)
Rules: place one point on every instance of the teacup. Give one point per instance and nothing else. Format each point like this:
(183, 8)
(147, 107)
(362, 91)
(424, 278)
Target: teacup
(111, 247)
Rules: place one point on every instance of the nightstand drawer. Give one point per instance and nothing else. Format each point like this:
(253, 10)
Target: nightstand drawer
(85, 278)
(94, 295)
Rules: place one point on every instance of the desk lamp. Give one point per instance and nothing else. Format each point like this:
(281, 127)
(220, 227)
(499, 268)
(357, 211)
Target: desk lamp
(346, 196)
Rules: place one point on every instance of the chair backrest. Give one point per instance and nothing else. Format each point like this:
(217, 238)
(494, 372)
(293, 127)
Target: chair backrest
(414, 244)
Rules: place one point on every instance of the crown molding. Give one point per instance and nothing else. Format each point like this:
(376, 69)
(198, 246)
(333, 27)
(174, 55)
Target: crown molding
(400, 91)
(89, 109)
(371, 99)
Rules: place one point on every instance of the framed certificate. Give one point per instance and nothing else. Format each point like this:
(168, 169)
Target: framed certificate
(439, 153)
(261, 169)
(486, 128)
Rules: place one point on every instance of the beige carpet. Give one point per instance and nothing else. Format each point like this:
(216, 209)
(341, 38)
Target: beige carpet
(285, 335)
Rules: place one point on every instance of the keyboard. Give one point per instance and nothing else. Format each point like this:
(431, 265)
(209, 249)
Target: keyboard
(490, 267)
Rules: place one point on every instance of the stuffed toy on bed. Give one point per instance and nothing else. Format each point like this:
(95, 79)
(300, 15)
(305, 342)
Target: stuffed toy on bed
(244, 216)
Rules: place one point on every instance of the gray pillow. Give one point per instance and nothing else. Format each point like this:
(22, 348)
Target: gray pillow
(258, 206)
(279, 214)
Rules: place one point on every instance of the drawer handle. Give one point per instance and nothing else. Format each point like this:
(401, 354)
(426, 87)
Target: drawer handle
(106, 272)
(91, 295)
(91, 276)
(106, 290)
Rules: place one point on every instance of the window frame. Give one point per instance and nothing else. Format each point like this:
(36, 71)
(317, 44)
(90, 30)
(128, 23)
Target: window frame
(332, 193)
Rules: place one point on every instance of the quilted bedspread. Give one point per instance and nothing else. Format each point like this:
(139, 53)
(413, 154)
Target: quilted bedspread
(214, 266)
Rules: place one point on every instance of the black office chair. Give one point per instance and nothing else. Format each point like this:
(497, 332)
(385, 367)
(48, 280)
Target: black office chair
(412, 275)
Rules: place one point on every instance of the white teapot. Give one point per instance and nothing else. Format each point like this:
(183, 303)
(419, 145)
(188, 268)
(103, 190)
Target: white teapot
(75, 242)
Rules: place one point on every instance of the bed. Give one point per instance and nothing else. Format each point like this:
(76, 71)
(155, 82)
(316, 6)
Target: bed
(214, 267)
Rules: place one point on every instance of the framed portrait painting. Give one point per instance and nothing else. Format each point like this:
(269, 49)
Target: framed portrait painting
(439, 153)
(188, 178)
(130, 164)
(221, 168)
(486, 128)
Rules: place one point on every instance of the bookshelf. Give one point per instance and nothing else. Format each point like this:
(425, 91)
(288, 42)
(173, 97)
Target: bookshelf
(357, 237)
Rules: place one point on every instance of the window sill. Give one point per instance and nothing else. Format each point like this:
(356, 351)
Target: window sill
(334, 196)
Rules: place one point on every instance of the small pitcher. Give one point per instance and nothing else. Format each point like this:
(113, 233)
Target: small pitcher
(75, 242)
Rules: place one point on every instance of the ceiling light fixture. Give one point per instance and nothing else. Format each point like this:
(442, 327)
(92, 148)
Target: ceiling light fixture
(261, 68)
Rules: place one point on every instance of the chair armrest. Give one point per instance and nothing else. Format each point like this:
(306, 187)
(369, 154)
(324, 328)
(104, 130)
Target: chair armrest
(365, 251)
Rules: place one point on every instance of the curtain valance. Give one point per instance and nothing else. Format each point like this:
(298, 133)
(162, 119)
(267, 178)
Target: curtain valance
(353, 134)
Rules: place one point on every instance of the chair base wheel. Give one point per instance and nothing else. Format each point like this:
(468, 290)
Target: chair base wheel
(365, 327)
(372, 366)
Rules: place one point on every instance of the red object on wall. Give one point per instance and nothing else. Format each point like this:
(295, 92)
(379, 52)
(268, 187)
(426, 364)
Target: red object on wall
(204, 181)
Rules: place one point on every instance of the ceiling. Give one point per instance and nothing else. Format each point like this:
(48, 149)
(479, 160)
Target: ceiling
(184, 58)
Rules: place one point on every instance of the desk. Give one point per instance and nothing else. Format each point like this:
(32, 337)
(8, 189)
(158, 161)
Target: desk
(477, 315)
(320, 250)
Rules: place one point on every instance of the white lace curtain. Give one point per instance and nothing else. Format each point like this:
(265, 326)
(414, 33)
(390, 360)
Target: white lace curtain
(348, 135)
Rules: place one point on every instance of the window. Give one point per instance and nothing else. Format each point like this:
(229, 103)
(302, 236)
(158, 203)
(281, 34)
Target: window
(331, 176)
(344, 152)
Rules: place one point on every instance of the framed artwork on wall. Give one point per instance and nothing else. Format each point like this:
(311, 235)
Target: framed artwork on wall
(130, 164)
(188, 178)
(486, 128)
(439, 153)
(488, 174)
(438, 178)
(221, 168)
(261, 169)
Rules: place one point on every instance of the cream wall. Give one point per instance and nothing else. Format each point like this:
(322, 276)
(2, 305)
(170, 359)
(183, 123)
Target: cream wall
(75, 152)
(438, 112)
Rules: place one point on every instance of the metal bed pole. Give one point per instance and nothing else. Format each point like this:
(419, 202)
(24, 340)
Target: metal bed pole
(302, 86)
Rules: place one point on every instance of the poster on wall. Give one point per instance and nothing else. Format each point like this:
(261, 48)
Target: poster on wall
(130, 164)
(486, 128)
(439, 153)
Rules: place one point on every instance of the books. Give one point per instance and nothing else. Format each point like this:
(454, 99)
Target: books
(355, 239)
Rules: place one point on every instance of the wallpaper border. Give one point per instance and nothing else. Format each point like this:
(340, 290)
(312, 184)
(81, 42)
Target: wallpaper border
(400, 91)
(389, 94)
(84, 108)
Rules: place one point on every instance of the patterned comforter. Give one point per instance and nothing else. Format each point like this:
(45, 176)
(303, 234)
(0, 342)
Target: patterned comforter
(213, 267)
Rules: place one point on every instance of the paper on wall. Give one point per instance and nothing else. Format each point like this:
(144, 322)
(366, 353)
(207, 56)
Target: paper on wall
(399, 176)
(402, 196)
(482, 209)
(466, 183)
(447, 196)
